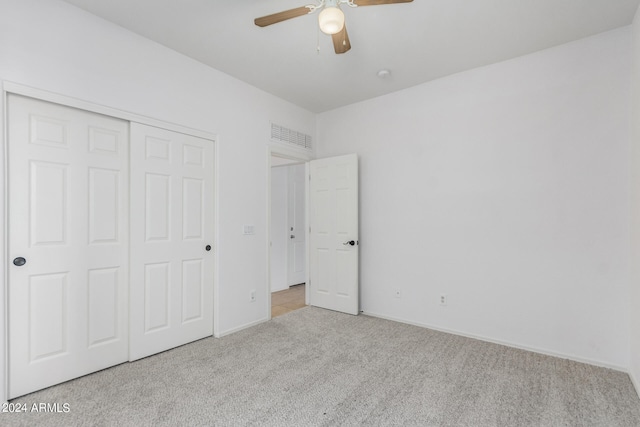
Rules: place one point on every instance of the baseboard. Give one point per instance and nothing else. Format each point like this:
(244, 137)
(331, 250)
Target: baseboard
(239, 328)
(509, 344)
(635, 383)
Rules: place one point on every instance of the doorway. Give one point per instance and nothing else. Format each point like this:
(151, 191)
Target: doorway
(288, 243)
(331, 228)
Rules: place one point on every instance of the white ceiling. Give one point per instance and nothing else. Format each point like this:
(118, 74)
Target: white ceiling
(417, 42)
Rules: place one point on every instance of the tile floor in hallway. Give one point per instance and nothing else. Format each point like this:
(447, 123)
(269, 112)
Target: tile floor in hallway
(288, 300)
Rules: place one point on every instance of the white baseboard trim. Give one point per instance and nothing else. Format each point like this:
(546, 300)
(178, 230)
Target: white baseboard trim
(508, 344)
(635, 383)
(239, 328)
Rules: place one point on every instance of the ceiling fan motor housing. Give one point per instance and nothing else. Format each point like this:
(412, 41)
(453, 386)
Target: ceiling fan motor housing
(331, 18)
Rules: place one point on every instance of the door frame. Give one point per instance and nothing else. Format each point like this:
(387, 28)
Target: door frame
(18, 89)
(278, 150)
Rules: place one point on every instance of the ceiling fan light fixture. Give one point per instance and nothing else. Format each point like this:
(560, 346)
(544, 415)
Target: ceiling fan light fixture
(331, 20)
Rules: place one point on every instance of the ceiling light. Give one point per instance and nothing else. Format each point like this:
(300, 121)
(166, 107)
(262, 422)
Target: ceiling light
(331, 20)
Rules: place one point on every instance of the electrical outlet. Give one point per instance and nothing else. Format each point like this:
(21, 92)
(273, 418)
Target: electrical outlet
(252, 296)
(443, 299)
(398, 293)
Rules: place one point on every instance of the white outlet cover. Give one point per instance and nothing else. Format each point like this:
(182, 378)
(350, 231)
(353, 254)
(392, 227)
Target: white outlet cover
(248, 229)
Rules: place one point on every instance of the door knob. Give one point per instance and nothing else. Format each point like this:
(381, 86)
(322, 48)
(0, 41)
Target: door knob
(350, 242)
(19, 261)
(208, 248)
(293, 236)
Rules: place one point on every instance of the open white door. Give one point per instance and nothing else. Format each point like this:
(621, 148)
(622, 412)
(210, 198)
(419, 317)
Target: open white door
(333, 221)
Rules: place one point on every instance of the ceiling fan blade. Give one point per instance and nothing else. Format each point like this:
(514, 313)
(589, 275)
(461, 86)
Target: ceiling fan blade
(341, 43)
(377, 2)
(281, 16)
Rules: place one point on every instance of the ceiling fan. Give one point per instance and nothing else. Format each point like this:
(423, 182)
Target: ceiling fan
(330, 19)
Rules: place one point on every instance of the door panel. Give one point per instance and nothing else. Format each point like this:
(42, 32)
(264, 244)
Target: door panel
(156, 296)
(103, 305)
(171, 224)
(192, 209)
(192, 290)
(104, 186)
(48, 316)
(47, 209)
(68, 217)
(333, 216)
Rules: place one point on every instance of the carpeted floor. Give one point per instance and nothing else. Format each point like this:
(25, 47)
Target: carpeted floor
(316, 367)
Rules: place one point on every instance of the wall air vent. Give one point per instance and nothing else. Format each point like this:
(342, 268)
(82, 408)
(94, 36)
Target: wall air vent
(291, 137)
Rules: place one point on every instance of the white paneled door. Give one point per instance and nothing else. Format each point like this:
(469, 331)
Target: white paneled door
(333, 246)
(172, 223)
(297, 230)
(68, 243)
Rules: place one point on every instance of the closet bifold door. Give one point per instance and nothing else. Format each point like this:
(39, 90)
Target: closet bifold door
(172, 224)
(67, 242)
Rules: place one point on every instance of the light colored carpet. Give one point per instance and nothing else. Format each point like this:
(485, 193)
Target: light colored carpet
(314, 367)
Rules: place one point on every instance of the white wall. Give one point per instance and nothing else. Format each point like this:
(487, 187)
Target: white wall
(53, 46)
(279, 227)
(506, 188)
(297, 249)
(634, 300)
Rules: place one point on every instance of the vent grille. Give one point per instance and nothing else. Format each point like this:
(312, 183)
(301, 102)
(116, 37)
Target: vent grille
(289, 136)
